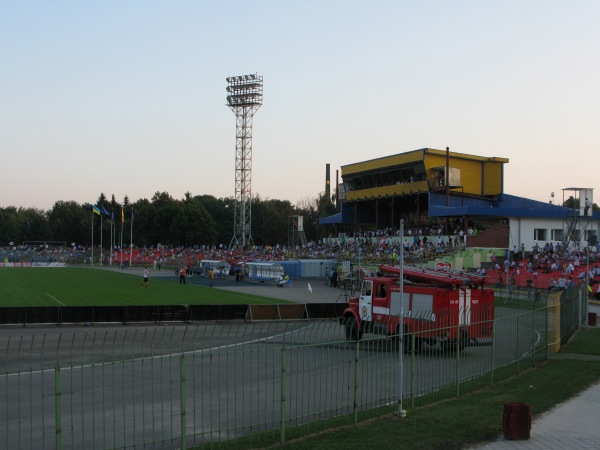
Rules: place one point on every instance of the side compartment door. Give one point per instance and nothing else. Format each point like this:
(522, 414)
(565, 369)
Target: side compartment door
(365, 302)
(464, 307)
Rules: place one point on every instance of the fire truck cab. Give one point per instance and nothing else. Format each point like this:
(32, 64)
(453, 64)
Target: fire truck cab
(437, 307)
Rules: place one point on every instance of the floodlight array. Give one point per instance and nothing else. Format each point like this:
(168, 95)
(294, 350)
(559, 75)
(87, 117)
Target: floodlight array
(245, 90)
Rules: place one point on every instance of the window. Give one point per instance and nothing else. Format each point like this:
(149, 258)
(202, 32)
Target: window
(539, 234)
(557, 234)
(381, 291)
(367, 288)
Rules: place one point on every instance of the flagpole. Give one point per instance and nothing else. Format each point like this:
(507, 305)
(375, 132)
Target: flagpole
(131, 239)
(114, 233)
(112, 219)
(101, 214)
(92, 260)
(121, 246)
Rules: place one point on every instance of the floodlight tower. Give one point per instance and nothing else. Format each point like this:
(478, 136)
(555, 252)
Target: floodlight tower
(244, 97)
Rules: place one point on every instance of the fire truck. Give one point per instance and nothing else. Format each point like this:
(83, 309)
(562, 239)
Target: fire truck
(439, 307)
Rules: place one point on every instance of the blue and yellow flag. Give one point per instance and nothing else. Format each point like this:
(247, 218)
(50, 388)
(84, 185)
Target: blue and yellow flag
(95, 210)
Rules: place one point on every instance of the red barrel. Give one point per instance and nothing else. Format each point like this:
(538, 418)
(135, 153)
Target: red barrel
(517, 420)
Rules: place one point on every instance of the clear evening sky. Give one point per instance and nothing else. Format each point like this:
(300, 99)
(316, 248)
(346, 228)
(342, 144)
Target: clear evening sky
(128, 97)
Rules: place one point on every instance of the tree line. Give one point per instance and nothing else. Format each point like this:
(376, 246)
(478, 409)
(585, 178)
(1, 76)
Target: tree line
(190, 221)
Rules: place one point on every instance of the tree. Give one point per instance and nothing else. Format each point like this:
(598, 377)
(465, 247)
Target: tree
(572, 202)
(194, 226)
(9, 226)
(69, 222)
(308, 208)
(142, 224)
(312, 209)
(101, 201)
(165, 210)
(221, 212)
(33, 225)
(270, 221)
(193, 220)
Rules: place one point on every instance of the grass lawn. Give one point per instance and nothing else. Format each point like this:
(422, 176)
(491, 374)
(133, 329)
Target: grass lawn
(91, 287)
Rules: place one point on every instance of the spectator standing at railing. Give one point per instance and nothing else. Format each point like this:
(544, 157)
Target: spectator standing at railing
(586, 207)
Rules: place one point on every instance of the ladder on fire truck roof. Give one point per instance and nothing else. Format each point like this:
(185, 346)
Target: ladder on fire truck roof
(438, 275)
(461, 274)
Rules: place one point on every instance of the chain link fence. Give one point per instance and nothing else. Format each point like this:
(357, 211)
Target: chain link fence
(195, 385)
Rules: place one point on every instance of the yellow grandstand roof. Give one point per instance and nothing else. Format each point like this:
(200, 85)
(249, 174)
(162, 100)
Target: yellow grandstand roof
(411, 157)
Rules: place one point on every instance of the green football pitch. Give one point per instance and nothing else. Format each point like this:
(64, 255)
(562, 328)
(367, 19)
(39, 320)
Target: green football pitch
(93, 287)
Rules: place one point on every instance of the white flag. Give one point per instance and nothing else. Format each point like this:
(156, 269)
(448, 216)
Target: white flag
(309, 288)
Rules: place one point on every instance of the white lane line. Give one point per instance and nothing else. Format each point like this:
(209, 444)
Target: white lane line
(532, 350)
(56, 300)
(156, 357)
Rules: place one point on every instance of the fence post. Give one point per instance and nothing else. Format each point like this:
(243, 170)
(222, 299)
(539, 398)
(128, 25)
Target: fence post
(283, 369)
(533, 328)
(183, 405)
(457, 349)
(493, 352)
(517, 352)
(355, 406)
(412, 369)
(57, 408)
(546, 309)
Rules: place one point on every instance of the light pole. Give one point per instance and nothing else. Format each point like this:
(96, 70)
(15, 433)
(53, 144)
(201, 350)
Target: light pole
(401, 410)
(244, 97)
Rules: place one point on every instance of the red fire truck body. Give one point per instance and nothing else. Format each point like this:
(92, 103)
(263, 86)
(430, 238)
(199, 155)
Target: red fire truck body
(438, 306)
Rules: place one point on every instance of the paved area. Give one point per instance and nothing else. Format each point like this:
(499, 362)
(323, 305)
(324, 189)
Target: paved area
(298, 292)
(570, 425)
(574, 424)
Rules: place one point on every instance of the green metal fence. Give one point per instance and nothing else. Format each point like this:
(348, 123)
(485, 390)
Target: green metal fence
(195, 385)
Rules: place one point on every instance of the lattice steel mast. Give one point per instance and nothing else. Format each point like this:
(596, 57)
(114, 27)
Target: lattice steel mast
(244, 97)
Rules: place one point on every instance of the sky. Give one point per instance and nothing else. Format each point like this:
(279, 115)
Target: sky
(127, 98)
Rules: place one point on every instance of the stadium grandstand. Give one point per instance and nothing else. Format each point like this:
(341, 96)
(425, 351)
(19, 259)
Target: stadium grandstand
(452, 194)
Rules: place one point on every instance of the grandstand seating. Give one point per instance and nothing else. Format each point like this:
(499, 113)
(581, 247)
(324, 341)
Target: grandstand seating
(543, 279)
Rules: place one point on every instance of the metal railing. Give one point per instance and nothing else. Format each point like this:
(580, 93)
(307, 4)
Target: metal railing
(194, 385)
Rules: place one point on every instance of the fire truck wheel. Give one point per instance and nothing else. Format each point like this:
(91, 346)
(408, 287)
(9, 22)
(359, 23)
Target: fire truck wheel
(450, 346)
(407, 340)
(418, 343)
(353, 334)
(408, 344)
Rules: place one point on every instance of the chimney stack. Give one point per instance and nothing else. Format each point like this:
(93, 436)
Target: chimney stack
(327, 182)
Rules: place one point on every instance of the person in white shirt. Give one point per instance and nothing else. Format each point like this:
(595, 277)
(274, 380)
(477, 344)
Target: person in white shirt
(145, 282)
